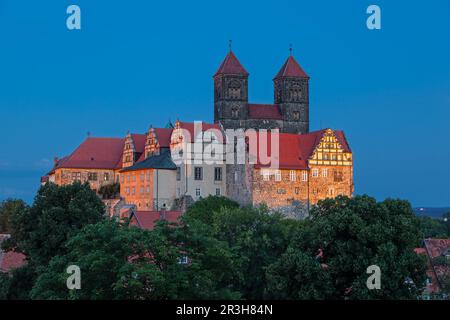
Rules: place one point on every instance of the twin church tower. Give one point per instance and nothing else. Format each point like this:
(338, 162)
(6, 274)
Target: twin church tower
(289, 112)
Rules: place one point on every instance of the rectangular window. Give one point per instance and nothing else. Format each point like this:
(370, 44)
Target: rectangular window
(127, 190)
(304, 175)
(92, 176)
(128, 178)
(148, 175)
(197, 192)
(106, 176)
(334, 157)
(133, 177)
(142, 190)
(324, 173)
(338, 176)
(178, 173)
(217, 174)
(148, 189)
(266, 175)
(133, 191)
(142, 177)
(315, 173)
(281, 191)
(217, 192)
(292, 175)
(198, 173)
(297, 190)
(277, 175)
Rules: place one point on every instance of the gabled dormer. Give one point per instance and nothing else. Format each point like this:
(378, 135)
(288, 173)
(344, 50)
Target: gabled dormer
(331, 149)
(129, 152)
(152, 146)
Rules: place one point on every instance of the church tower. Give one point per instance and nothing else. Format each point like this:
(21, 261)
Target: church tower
(231, 93)
(291, 93)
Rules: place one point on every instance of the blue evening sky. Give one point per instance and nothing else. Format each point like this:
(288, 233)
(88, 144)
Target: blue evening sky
(136, 63)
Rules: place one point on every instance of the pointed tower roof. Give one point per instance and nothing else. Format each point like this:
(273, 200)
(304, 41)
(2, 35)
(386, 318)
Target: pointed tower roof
(291, 68)
(231, 65)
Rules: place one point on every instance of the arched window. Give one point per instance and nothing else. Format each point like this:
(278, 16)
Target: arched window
(235, 113)
(295, 92)
(234, 90)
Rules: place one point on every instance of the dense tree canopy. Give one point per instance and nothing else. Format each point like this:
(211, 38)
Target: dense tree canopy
(57, 213)
(8, 209)
(346, 236)
(41, 231)
(218, 250)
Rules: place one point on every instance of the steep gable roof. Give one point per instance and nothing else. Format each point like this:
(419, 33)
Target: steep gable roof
(94, 153)
(163, 136)
(231, 65)
(295, 149)
(291, 68)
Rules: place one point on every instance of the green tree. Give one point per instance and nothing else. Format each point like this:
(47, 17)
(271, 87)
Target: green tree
(119, 262)
(41, 231)
(110, 191)
(432, 228)
(8, 209)
(57, 213)
(446, 221)
(204, 209)
(348, 235)
(254, 237)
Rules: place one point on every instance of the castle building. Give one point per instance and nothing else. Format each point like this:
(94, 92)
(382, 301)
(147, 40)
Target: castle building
(169, 168)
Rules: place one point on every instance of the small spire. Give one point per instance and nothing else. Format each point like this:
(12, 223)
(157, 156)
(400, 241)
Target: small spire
(88, 133)
(230, 44)
(290, 49)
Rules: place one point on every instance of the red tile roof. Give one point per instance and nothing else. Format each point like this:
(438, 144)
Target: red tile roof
(264, 111)
(163, 136)
(94, 153)
(11, 259)
(291, 68)
(296, 149)
(189, 126)
(435, 248)
(139, 142)
(148, 219)
(231, 65)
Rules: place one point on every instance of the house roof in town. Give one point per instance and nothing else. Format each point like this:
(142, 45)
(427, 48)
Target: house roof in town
(148, 219)
(295, 149)
(160, 161)
(11, 259)
(291, 68)
(435, 248)
(231, 65)
(264, 111)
